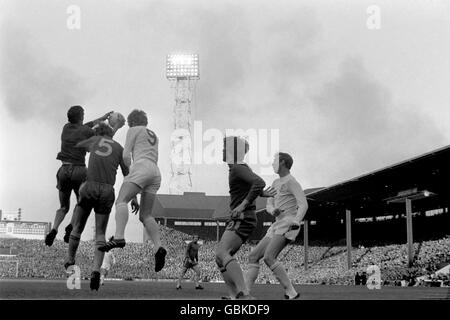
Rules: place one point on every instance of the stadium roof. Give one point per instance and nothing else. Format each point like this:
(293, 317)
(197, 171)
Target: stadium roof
(366, 195)
(195, 205)
(429, 171)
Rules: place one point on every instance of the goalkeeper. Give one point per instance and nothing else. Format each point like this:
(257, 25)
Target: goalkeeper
(191, 262)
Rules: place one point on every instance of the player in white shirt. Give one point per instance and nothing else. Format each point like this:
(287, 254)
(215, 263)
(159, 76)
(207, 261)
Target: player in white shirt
(141, 154)
(289, 206)
(108, 262)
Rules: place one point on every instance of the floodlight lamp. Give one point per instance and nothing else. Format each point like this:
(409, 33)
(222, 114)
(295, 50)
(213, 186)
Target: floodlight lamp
(182, 66)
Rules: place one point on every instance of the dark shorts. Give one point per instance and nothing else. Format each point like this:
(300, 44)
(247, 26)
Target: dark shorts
(187, 264)
(70, 177)
(243, 225)
(97, 196)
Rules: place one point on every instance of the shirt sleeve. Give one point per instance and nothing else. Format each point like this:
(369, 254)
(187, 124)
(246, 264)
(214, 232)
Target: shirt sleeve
(270, 205)
(87, 132)
(125, 169)
(257, 184)
(89, 124)
(129, 144)
(296, 189)
(87, 144)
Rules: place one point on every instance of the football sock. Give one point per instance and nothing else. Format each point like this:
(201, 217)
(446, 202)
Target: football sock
(232, 290)
(278, 270)
(234, 271)
(121, 220)
(98, 255)
(152, 228)
(196, 279)
(74, 241)
(251, 275)
(59, 217)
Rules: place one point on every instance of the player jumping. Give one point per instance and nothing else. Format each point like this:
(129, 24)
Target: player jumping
(108, 262)
(191, 262)
(145, 178)
(97, 193)
(72, 172)
(245, 187)
(289, 206)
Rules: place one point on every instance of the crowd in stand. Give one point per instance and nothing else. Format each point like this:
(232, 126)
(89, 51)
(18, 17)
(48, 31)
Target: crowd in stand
(326, 264)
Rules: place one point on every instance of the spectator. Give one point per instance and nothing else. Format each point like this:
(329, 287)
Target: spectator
(357, 279)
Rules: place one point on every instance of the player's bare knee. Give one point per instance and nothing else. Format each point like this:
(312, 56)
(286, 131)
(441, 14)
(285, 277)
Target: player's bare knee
(253, 257)
(269, 260)
(77, 229)
(219, 262)
(221, 253)
(64, 209)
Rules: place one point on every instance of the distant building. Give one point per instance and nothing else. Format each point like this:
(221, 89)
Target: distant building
(197, 213)
(24, 229)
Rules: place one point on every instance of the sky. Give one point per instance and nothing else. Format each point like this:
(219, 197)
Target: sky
(346, 99)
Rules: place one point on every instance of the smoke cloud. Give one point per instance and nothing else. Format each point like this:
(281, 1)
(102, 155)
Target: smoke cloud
(31, 85)
(361, 125)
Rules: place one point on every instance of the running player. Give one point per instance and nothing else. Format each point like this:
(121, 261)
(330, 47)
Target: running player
(245, 187)
(72, 173)
(141, 145)
(108, 262)
(289, 206)
(97, 193)
(191, 262)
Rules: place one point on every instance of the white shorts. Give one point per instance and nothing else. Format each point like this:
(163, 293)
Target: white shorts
(146, 175)
(106, 267)
(281, 228)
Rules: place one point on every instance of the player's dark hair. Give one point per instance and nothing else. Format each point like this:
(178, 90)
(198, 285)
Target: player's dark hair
(75, 114)
(286, 158)
(137, 118)
(103, 130)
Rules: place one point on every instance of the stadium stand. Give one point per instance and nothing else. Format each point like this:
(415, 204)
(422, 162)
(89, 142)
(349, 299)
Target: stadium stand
(327, 261)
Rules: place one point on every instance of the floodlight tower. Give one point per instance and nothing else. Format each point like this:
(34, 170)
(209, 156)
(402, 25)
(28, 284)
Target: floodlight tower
(182, 70)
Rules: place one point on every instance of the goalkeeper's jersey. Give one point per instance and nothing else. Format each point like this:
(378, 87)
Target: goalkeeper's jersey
(192, 251)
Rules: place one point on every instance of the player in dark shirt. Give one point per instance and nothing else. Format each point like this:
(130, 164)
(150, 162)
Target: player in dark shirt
(191, 262)
(245, 187)
(97, 193)
(72, 172)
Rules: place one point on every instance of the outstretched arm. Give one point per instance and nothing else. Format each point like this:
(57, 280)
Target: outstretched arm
(92, 123)
(125, 169)
(86, 144)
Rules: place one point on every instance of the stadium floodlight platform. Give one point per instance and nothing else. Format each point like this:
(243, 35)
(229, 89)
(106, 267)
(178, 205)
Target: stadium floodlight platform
(182, 70)
(182, 66)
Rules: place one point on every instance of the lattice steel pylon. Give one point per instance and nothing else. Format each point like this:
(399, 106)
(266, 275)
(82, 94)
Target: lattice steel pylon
(182, 70)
